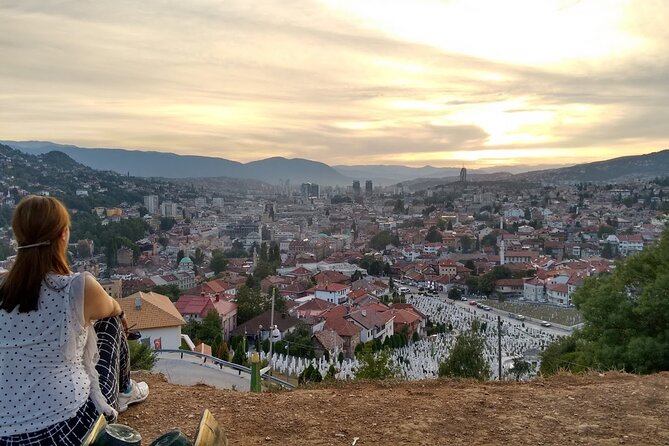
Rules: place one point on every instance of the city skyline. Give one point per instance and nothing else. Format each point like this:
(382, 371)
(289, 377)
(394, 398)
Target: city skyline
(412, 83)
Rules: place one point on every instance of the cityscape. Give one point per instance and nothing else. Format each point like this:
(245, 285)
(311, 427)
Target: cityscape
(361, 223)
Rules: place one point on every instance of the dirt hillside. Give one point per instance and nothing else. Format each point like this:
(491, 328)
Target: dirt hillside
(592, 410)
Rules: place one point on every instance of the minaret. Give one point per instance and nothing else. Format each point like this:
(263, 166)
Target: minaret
(501, 243)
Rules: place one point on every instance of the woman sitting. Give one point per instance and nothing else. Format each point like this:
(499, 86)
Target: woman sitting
(63, 347)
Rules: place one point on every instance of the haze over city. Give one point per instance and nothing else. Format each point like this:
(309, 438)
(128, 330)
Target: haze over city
(444, 83)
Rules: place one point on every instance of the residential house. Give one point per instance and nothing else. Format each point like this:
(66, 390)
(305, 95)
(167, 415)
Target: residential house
(510, 288)
(332, 292)
(228, 312)
(194, 308)
(534, 290)
(156, 317)
(259, 326)
(375, 323)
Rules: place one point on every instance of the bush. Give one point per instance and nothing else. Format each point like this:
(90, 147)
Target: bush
(375, 365)
(466, 359)
(142, 357)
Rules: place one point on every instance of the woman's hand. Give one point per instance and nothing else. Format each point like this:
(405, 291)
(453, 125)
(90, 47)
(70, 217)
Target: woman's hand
(124, 322)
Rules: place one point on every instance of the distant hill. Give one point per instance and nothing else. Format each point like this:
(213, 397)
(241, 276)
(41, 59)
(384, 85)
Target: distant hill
(384, 175)
(626, 168)
(169, 165)
(59, 175)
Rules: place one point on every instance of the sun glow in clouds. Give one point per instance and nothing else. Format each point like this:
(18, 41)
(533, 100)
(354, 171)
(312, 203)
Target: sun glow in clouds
(342, 81)
(530, 32)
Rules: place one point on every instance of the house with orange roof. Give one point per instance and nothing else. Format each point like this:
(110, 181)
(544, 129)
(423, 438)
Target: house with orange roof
(347, 330)
(361, 297)
(374, 322)
(405, 320)
(328, 276)
(312, 308)
(156, 317)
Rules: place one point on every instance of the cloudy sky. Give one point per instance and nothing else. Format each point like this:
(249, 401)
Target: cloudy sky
(479, 82)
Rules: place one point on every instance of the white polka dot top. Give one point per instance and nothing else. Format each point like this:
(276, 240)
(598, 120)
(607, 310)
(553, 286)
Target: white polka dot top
(43, 379)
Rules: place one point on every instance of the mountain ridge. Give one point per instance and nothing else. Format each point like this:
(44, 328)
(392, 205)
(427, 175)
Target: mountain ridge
(170, 165)
(298, 170)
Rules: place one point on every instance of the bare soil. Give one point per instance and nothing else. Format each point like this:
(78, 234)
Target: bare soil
(594, 409)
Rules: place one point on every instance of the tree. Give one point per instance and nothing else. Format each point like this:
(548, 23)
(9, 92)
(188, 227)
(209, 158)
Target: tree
(375, 365)
(605, 230)
(198, 257)
(167, 223)
(210, 328)
(466, 359)
(279, 299)
(299, 340)
(218, 262)
(626, 318)
(239, 357)
(455, 293)
(180, 255)
(487, 281)
(237, 250)
(520, 368)
(383, 239)
(450, 225)
(466, 244)
(608, 252)
(433, 235)
(399, 207)
(250, 303)
(357, 275)
(171, 291)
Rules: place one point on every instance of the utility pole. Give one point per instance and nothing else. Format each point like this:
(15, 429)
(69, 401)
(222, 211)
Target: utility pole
(499, 345)
(271, 332)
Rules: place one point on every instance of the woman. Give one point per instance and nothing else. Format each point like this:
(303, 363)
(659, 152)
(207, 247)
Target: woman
(63, 351)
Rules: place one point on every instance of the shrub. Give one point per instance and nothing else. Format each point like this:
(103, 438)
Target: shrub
(141, 356)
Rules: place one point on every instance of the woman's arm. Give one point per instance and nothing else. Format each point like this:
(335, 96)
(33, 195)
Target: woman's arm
(97, 303)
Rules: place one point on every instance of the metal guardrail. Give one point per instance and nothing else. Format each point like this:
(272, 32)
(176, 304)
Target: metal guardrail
(221, 363)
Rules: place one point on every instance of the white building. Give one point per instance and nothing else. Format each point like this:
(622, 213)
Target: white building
(151, 204)
(335, 293)
(156, 317)
(169, 209)
(630, 244)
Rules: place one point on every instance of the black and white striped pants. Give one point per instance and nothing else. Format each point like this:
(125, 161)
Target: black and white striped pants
(114, 370)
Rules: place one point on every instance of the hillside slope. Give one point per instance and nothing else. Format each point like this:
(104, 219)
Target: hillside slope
(594, 409)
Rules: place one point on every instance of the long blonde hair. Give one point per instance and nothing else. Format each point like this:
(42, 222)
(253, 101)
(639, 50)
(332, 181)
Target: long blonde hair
(38, 224)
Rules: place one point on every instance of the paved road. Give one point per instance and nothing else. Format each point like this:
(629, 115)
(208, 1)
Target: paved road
(556, 330)
(191, 371)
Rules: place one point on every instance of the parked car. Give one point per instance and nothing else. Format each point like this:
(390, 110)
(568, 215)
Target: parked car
(545, 324)
(473, 302)
(520, 317)
(464, 299)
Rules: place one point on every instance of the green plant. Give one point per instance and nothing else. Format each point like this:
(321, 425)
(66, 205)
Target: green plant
(375, 365)
(141, 356)
(466, 359)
